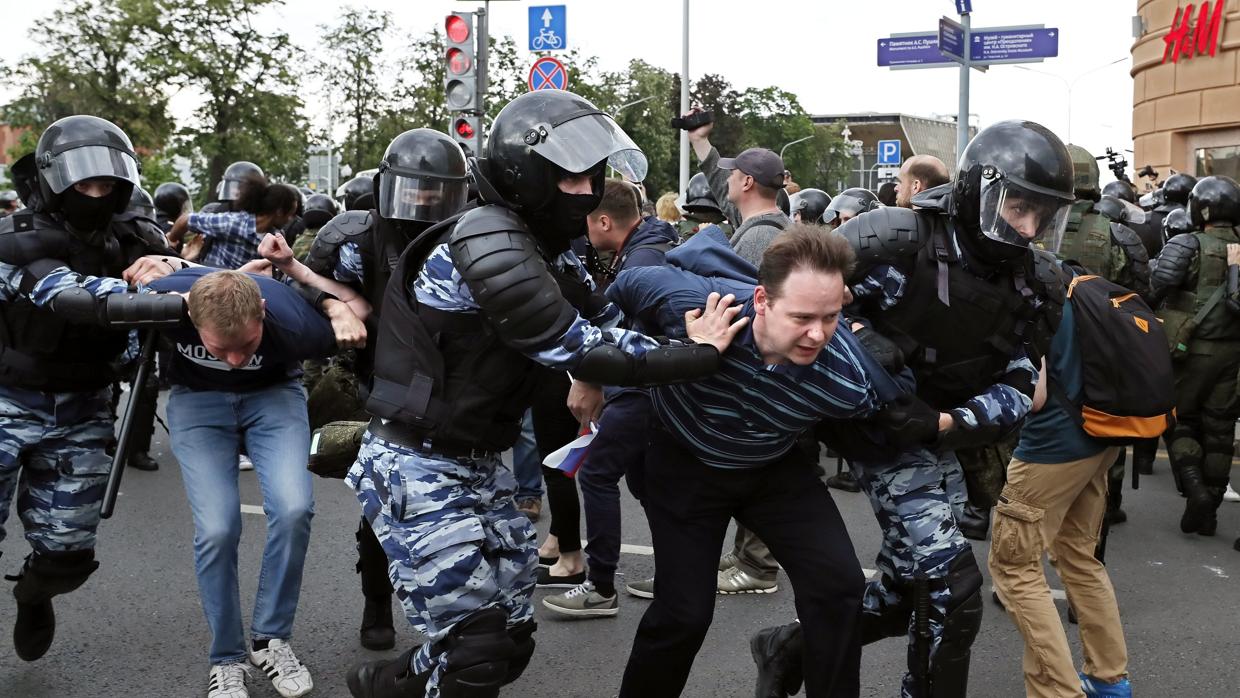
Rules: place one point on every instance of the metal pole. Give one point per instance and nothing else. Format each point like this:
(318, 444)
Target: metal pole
(484, 47)
(684, 100)
(799, 140)
(962, 114)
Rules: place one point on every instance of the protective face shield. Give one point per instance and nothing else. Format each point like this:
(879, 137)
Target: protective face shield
(582, 139)
(848, 204)
(423, 199)
(1018, 214)
(63, 169)
(1120, 211)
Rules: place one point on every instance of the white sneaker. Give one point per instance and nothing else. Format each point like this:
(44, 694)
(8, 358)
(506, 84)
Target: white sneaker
(290, 677)
(1231, 495)
(228, 681)
(244, 462)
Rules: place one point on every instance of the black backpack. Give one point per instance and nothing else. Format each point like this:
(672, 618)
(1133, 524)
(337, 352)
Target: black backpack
(1128, 390)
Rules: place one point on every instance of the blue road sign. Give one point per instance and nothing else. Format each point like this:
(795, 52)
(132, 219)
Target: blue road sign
(964, 7)
(951, 39)
(1013, 45)
(910, 50)
(547, 28)
(548, 73)
(889, 152)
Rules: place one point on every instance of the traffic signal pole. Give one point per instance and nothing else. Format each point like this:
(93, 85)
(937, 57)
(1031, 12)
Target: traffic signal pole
(684, 102)
(962, 114)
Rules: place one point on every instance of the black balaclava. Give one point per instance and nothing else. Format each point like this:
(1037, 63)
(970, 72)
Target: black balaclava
(87, 214)
(564, 219)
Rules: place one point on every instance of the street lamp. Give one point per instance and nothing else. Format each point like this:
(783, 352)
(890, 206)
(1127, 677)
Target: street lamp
(622, 107)
(1070, 85)
(799, 140)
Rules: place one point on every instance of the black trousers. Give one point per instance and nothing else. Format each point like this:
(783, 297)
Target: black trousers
(688, 505)
(555, 426)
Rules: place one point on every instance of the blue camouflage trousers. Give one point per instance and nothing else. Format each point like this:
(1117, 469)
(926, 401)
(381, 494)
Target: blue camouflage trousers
(454, 539)
(52, 458)
(916, 499)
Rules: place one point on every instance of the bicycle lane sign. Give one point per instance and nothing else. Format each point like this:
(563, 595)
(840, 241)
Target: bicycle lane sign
(548, 28)
(548, 73)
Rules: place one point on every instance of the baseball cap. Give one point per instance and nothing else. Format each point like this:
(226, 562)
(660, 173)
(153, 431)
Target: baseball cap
(763, 165)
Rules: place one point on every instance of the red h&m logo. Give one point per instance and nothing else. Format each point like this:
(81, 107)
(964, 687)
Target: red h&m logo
(1183, 40)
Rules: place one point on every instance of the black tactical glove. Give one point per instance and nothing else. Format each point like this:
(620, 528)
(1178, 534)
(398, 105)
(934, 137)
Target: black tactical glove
(909, 421)
(884, 351)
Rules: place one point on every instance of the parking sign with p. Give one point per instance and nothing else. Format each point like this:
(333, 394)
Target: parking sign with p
(889, 152)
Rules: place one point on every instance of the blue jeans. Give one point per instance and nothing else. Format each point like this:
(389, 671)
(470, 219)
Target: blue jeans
(526, 465)
(208, 431)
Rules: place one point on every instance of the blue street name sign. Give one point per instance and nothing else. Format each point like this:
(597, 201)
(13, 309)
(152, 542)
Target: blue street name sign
(889, 152)
(548, 28)
(910, 50)
(951, 39)
(1013, 45)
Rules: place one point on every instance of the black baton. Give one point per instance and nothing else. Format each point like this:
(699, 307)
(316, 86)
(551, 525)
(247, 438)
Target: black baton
(146, 362)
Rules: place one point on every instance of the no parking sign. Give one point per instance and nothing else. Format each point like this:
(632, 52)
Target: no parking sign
(548, 73)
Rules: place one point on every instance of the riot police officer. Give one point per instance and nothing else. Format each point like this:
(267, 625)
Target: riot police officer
(456, 366)
(808, 205)
(357, 194)
(1190, 278)
(55, 374)
(318, 210)
(700, 209)
(171, 200)
(1173, 195)
(973, 361)
(847, 205)
(229, 188)
(1176, 223)
(422, 180)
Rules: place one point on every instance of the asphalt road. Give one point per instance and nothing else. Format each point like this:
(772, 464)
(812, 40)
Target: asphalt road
(136, 628)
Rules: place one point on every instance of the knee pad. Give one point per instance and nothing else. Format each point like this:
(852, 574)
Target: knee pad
(48, 574)
(893, 620)
(477, 653)
(522, 636)
(372, 563)
(1184, 449)
(949, 667)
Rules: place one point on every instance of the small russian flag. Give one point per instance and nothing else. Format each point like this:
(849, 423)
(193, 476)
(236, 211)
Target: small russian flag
(568, 459)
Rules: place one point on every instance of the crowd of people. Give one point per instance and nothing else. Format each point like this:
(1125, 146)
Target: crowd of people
(948, 337)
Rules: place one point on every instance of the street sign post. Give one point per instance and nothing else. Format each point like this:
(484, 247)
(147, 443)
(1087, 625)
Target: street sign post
(547, 73)
(1013, 44)
(889, 152)
(548, 28)
(910, 51)
(951, 39)
(887, 173)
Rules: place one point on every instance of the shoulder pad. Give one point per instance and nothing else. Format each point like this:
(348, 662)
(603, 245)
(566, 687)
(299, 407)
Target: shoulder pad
(1050, 275)
(1174, 261)
(26, 237)
(887, 235)
(350, 226)
(1128, 239)
(488, 219)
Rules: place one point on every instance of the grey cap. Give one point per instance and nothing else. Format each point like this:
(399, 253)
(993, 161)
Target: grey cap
(763, 165)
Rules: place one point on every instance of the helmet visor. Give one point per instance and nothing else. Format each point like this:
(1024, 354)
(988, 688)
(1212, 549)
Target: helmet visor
(420, 198)
(1133, 214)
(580, 143)
(230, 189)
(63, 170)
(1016, 215)
(843, 207)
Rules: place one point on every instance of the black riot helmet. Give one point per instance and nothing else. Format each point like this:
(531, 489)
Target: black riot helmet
(171, 200)
(783, 201)
(141, 204)
(25, 175)
(541, 136)
(75, 149)
(810, 204)
(1120, 190)
(1177, 222)
(1119, 210)
(320, 208)
(699, 198)
(1014, 185)
(1178, 187)
(357, 194)
(1214, 200)
(847, 204)
(423, 177)
(230, 186)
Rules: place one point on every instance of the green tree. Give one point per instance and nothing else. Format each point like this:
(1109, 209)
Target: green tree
(354, 48)
(251, 109)
(97, 62)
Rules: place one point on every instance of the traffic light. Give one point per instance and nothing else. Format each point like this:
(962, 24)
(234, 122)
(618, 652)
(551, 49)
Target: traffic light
(461, 77)
(461, 81)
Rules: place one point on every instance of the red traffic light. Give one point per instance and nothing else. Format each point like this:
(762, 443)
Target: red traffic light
(458, 62)
(457, 29)
(463, 128)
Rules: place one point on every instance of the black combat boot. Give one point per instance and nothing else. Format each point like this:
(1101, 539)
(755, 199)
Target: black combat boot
(1200, 505)
(376, 632)
(387, 678)
(143, 461)
(44, 576)
(844, 481)
(778, 652)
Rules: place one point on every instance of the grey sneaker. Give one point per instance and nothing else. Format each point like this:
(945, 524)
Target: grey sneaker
(643, 589)
(728, 560)
(583, 601)
(734, 580)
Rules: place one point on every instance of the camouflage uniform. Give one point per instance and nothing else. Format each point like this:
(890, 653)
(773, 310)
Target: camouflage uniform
(453, 536)
(691, 223)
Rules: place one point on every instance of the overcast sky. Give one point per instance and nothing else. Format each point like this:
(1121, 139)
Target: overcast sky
(822, 50)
